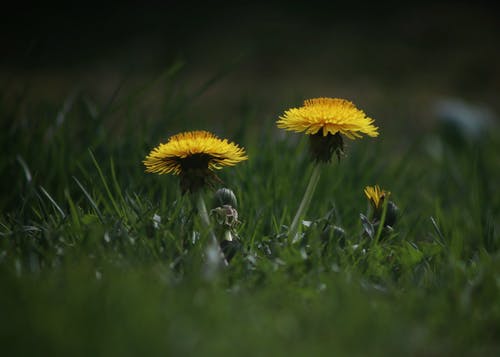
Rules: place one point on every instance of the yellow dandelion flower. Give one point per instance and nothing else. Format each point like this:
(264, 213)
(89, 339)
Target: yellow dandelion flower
(325, 120)
(330, 116)
(376, 195)
(193, 155)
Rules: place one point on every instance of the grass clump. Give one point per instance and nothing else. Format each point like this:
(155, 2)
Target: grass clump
(97, 258)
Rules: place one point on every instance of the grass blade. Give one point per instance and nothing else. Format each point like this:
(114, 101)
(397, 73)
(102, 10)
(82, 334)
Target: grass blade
(382, 221)
(89, 198)
(438, 231)
(57, 207)
(105, 183)
(25, 167)
(73, 210)
(115, 181)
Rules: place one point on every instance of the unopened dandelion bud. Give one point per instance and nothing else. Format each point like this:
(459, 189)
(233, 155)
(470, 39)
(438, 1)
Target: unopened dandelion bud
(223, 197)
(391, 215)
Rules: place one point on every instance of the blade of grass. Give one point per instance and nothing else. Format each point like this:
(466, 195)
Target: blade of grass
(25, 167)
(382, 221)
(72, 209)
(89, 198)
(115, 181)
(438, 231)
(57, 207)
(106, 187)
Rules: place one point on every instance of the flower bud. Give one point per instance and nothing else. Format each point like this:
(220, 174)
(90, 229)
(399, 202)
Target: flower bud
(391, 215)
(224, 196)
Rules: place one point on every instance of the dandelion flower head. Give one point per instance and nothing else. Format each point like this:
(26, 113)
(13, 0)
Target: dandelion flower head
(193, 155)
(328, 116)
(376, 195)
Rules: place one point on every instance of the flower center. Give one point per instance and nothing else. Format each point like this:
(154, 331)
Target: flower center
(194, 162)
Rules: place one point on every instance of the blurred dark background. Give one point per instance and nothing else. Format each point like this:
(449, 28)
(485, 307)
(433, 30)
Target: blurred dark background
(392, 59)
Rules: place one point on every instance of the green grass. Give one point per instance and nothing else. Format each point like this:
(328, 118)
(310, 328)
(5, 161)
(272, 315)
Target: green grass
(85, 270)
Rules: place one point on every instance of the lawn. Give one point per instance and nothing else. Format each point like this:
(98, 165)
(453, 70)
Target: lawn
(98, 257)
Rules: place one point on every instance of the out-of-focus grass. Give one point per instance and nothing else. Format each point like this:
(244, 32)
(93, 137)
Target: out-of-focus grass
(86, 268)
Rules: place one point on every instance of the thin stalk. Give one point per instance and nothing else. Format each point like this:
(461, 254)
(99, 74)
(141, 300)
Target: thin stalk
(382, 220)
(202, 211)
(304, 204)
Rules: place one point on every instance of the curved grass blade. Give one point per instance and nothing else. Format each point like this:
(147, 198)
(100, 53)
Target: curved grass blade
(105, 183)
(56, 206)
(27, 172)
(91, 201)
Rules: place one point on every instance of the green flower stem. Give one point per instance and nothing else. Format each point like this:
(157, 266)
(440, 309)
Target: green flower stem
(202, 211)
(382, 221)
(304, 204)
